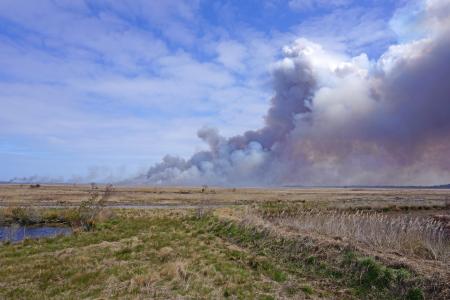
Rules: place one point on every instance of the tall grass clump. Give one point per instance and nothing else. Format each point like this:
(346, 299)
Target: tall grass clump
(20, 215)
(407, 235)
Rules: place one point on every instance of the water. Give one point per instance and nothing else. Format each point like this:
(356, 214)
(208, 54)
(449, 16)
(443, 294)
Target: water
(17, 233)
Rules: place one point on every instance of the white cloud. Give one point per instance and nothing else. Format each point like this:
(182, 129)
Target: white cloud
(232, 55)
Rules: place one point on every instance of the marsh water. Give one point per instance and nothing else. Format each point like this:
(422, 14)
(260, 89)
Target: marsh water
(16, 233)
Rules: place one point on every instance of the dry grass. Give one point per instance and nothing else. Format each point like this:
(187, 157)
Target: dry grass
(289, 243)
(404, 234)
(19, 195)
(138, 255)
(90, 211)
(170, 254)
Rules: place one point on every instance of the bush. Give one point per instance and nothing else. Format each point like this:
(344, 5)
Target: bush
(374, 274)
(415, 294)
(90, 209)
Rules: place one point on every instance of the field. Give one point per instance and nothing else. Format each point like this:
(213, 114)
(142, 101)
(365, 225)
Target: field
(214, 243)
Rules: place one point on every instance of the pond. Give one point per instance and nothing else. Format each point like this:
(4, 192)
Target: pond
(16, 233)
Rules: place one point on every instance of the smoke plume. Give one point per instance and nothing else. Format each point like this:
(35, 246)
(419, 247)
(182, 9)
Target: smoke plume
(337, 120)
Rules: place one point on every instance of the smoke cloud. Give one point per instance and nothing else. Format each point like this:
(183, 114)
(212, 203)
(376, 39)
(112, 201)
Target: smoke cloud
(337, 120)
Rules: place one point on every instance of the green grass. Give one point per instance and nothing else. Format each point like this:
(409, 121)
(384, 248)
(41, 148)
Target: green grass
(163, 255)
(307, 289)
(363, 277)
(156, 255)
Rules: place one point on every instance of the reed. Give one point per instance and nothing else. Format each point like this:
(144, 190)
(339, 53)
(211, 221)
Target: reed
(424, 237)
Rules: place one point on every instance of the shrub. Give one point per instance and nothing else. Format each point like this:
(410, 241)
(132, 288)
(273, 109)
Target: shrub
(415, 294)
(89, 209)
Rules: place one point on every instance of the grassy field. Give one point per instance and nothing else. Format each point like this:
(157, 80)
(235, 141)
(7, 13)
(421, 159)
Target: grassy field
(275, 245)
(24, 194)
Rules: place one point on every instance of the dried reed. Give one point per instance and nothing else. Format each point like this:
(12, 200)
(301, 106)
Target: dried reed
(405, 234)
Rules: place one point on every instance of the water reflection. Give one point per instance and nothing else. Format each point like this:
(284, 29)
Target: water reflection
(16, 233)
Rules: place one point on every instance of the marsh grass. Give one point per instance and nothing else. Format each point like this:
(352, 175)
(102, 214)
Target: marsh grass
(409, 235)
(157, 255)
(85, 216)
(196, 255)
(375, 199)
(328, 265)
(34, 216)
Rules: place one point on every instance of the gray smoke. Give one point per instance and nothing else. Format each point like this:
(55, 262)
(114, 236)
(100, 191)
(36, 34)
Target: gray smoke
(336, 120)
(98, 174)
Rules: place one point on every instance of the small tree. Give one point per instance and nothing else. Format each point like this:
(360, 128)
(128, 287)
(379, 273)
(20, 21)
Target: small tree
(90, 208)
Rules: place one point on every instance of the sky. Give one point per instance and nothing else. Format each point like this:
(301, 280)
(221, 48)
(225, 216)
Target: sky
(102, 90)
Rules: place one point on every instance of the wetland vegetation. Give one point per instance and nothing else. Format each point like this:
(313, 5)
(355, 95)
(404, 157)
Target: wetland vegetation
(261, 250)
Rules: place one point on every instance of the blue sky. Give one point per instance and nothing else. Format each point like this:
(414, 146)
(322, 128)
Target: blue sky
(106, 88)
